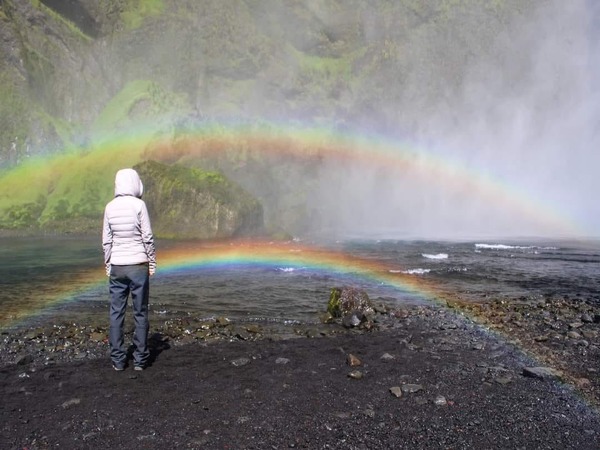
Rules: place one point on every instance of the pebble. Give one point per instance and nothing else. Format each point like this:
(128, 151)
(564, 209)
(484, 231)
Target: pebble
(353, 361)
(387, 357)
(503, 380)
(411, 388)
(356, 375)
(71, 402)
(97, 337)
(440, 400)
(282, 361)
(240, 362)
(253, 329)
(396, 391)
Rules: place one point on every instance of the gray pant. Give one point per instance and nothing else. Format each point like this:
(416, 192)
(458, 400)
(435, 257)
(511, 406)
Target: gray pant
(124, 280)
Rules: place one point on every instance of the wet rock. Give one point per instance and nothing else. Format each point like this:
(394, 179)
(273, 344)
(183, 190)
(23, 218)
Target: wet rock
(345, 300)
(352, 320)
(353, 361)
(326, 318)
(254, 329)
(542, 373)
(202, 334)
(312, 333)
(242, 335)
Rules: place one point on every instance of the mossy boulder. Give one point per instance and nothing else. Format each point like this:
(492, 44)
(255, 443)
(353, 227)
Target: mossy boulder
(348, 300)
(190, 203)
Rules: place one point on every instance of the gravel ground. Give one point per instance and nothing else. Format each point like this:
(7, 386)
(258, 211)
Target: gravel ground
(425, 378)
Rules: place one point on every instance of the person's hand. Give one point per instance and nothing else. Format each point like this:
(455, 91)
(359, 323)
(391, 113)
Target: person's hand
(108, 270)
(152, 270)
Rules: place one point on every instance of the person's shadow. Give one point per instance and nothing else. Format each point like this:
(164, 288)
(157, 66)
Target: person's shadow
(156, 344)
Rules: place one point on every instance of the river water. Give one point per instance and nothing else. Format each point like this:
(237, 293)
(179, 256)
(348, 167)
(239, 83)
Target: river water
(60, 279)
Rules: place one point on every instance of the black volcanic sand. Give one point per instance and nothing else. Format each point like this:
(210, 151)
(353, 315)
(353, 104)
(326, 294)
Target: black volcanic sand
(421, 378)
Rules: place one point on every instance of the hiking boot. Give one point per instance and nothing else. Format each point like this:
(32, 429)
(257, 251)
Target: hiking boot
(118, 369)
(138, 368)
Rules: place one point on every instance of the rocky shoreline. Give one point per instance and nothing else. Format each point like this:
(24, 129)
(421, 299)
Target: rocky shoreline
(562, 334)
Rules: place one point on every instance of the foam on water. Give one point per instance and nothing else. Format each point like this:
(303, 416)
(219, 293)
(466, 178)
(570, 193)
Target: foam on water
(436, 256)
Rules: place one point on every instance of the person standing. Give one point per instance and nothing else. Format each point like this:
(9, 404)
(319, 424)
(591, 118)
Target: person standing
(130, 259)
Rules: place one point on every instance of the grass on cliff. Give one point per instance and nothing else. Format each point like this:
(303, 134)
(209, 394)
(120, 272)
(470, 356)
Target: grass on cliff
(137, 102)
(69, 185)
(138, 10)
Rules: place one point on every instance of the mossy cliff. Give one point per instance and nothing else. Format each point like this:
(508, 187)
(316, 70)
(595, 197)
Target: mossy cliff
(324, 61)
(191, 203)
(75, 74)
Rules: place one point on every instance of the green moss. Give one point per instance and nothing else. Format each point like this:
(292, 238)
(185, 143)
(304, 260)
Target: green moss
(116, 112)
(137, 102)
(137, 11)
(62, 128)
(73, 185)
(327, 67)
(333, 306)
(24, 215)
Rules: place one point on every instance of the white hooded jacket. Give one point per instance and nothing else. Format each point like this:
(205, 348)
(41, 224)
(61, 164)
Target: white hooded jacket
(127, 234)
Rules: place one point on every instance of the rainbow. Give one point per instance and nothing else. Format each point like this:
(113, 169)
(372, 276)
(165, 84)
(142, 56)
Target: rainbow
(199, 256)
(292, 143)
(321, 144)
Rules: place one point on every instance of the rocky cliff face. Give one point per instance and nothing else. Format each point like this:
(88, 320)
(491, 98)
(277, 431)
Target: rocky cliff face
(327, 62)
(189, 203)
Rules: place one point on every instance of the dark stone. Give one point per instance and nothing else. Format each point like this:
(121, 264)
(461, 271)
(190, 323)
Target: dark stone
(24, 360)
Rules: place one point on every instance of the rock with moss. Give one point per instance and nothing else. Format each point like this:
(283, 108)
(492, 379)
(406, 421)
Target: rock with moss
(347, 299)
(190, 203)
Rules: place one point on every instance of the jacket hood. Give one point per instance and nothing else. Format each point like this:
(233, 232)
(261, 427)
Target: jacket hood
(128, 182)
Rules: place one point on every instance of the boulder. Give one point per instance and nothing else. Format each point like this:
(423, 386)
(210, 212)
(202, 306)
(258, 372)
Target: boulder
(350, 304)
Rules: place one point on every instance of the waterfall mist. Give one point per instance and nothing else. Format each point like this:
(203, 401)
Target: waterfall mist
(523, 122)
